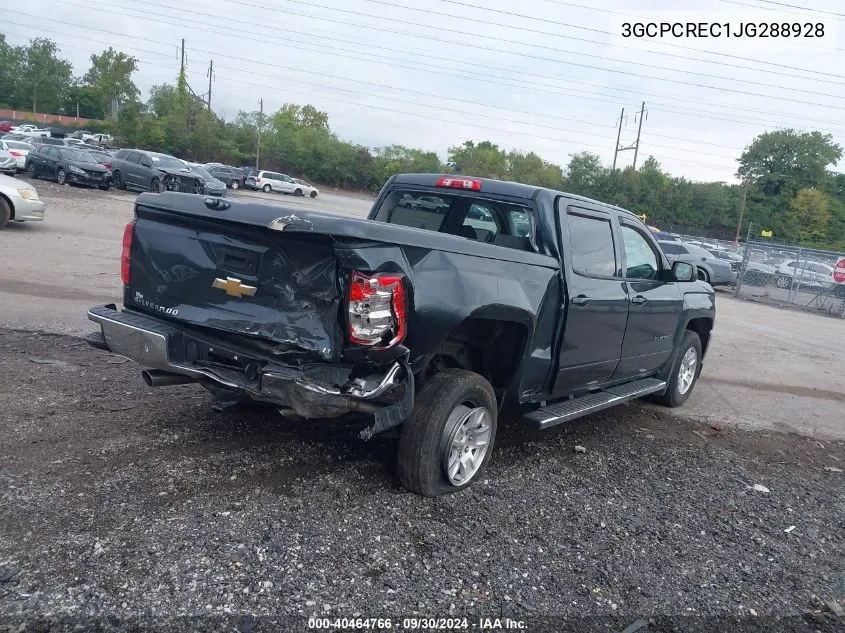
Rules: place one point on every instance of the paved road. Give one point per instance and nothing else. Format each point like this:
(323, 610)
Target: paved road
(768, 368)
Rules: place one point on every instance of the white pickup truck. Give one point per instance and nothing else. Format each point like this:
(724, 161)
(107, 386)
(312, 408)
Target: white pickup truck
(30, 130)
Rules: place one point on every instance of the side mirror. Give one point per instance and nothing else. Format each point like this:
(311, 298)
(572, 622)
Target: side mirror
(682, 271)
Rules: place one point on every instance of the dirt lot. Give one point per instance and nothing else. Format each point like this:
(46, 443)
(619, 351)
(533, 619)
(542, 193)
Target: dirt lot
(119, 500)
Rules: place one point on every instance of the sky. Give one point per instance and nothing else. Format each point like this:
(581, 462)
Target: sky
(548, 76)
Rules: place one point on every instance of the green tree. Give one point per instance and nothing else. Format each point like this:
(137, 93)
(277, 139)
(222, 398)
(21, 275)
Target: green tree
(809, 216)
(44, 77)
(783, 162)
(11, 69)
(110, 77)
(584, 174)
(484, 159)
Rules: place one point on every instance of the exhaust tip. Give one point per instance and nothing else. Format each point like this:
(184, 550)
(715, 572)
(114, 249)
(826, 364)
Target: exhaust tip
(147, 378)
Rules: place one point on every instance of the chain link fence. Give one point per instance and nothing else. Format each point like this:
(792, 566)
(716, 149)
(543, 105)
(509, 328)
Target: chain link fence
(785, 274)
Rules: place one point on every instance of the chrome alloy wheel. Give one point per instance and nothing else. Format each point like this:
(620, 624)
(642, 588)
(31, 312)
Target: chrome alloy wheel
(468, 432)
(686, 372)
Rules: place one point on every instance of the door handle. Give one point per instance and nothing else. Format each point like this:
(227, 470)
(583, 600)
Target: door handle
(639, 300)
(580, 300)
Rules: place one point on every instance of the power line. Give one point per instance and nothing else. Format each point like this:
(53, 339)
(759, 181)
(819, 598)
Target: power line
(558, 61)
(794, 6)
(474, 77)
(381, 107)
(755, 122)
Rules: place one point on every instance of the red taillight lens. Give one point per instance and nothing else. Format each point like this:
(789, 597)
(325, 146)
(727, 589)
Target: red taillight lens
(124, 256)
(14, 153)
(377, 310)
(107, 165)
(258, 180)
(460, 183)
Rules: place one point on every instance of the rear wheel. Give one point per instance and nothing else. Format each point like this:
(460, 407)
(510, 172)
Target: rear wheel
(5, 212)
(236, 184)
(117, 180)
(685, 371)
(267, 188)
(448, 441)
(313, 194)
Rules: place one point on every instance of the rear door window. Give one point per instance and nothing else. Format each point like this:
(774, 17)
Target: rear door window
(591, 245)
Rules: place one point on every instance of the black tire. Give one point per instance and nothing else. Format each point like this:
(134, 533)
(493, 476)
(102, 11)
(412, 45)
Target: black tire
(5, 213)
(673, 396)
(103, 187)
(117, 180)
(424, 444)
(236, 185)
(155, 186)
(703, 275)
(30, 172)
(298, 192)
(313, 194)
(267, 188)
(61, 177)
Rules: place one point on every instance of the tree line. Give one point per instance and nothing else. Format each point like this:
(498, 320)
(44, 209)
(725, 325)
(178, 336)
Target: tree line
(786, 180)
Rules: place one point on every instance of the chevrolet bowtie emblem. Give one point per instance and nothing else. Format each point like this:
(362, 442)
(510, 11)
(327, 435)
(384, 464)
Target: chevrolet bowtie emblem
(234, 287)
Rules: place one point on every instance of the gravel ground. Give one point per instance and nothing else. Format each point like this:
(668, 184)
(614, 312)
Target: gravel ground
(123, 501)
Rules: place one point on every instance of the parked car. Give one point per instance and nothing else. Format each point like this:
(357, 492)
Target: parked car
(8, 163)
(67, 165)
(324, 315)
(232, 176)
(48, 140)
(804, 273)
(211, 185)
(100, 156)
(19, 149)
(720, 253)
(151, 171)
(31, 130)
(307, 188)
(19, 202)
(269, 181)
(81, 134)
(714, 271)
(103, 140)
(6, 126)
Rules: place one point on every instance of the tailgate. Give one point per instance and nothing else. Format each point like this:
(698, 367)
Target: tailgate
(235, 275)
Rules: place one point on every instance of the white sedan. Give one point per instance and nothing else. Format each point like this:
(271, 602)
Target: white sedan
(19, 201)
(19, 149)
(307, 188)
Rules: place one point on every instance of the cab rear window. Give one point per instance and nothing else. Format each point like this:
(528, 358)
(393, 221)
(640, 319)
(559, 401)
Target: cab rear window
(472, 217)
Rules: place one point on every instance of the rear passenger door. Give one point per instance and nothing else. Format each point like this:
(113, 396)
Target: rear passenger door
(596, 300)
(655, 305)
(132, 169)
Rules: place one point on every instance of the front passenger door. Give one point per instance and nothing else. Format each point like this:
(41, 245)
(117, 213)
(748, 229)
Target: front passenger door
(655, 305)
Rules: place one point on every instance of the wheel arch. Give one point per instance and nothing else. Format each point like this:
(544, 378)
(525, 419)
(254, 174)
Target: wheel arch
(11, 204)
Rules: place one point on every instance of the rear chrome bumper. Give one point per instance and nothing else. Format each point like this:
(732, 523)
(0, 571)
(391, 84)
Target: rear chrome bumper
(311, 391)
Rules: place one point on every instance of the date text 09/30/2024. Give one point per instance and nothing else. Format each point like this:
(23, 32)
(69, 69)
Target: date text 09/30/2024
(417, 624)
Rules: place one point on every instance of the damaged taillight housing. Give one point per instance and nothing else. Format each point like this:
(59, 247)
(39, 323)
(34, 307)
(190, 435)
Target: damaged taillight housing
(125, 253)
(377, 314)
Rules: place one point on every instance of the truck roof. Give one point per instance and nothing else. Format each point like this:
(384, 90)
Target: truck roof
(498, 187)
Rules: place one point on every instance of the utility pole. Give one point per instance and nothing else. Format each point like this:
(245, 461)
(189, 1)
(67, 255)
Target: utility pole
(210, 75)
(260, 121)
(618, 135)
(741, 212)
(182, 65)
(639, 130)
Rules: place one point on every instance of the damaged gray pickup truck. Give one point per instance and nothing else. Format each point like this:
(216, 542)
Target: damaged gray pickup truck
(454, 297)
